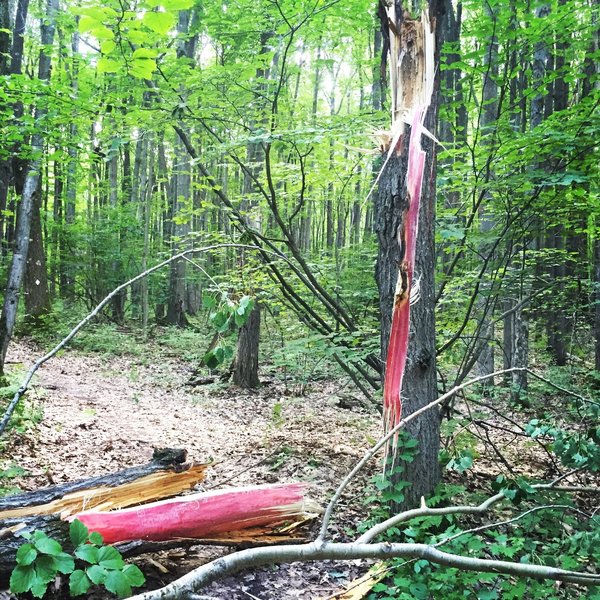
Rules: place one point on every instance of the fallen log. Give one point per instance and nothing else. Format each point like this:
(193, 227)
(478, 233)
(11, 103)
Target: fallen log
(202, 515)
(166, 476)
(267, 514)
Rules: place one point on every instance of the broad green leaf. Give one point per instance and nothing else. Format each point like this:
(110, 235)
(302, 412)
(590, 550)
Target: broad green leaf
(78, 532)
(177, 4)
(117, 583)
(88, 553)
(145, 53)
(107, 46)
(38, 589)
(143, 68)
(134, 576)
(64, 563)
(26, 554)
(160, 22)
(47, 545)
(22, 578)
(107, 65)
(96, 538)
(110, 558)
(97, 574)
(79, 583)
(45, 568)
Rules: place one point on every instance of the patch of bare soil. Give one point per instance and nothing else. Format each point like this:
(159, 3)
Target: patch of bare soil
(105, 414)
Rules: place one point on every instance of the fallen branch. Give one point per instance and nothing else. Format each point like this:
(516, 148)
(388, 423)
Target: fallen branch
(258, 557)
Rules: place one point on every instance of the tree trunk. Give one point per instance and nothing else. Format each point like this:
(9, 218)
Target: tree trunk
(419, 385)
(37, 296)
(26, 205)
(245, 370)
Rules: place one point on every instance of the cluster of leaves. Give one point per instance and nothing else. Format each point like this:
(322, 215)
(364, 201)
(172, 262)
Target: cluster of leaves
(576, 449)
(41, 559)
(226, 317)
(551, 536)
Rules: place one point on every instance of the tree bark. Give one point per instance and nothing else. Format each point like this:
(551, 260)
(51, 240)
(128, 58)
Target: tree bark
(245, 371)
(26, 205)
(419, 385)
(37, 295)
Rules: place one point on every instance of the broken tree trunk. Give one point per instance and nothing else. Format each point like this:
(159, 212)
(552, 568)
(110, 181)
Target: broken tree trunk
(164, 477)
(141, 515)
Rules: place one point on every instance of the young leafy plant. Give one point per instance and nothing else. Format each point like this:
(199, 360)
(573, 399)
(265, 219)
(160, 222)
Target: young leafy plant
(227, 317)
(42, 558)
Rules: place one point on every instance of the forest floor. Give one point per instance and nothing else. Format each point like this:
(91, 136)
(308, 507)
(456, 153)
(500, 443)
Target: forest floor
(105, 413)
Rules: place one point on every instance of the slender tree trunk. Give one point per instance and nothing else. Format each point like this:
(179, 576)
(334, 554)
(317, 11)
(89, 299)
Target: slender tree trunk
(27, 203)
(37, 296)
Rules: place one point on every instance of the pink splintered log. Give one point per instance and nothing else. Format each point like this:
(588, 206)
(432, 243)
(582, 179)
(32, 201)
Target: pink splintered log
(407, 238)
(199, 515)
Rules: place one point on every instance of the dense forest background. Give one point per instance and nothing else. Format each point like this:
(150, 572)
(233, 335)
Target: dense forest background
(245, 139)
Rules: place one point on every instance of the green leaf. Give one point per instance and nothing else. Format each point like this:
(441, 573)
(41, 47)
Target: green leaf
(145, 53)
(107, 65)
(134, 576)
(177, 4)
(142, 68)
(78, 533)
(64, 563)
(110, 558)
(116, 582)
(208, 301)
(88, 553)
(26, 554)
(22, 578)
(38, 589)
(79, 583)
(45, 568)
(97, 574)
(160, 22)
(47, 545)
(96, 538)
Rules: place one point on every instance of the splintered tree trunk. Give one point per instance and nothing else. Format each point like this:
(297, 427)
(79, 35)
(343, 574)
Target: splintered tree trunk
(165, 476)
(419, 382)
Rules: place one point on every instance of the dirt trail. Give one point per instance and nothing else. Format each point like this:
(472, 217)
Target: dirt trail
(104, 414)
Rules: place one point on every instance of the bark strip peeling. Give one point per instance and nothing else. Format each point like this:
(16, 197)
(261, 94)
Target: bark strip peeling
(412, 72)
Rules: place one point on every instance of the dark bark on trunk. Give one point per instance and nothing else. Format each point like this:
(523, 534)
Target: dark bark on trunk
(420, 386)
(245, 370)
(37, 296)
(26, 205)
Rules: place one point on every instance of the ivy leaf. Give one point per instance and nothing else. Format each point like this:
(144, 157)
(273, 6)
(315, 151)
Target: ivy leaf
(116, 582)
(22, 578)
(110, 558)
(26, 554)
(134, 576)
(78, 533)
(97, 574)
(79, 583)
